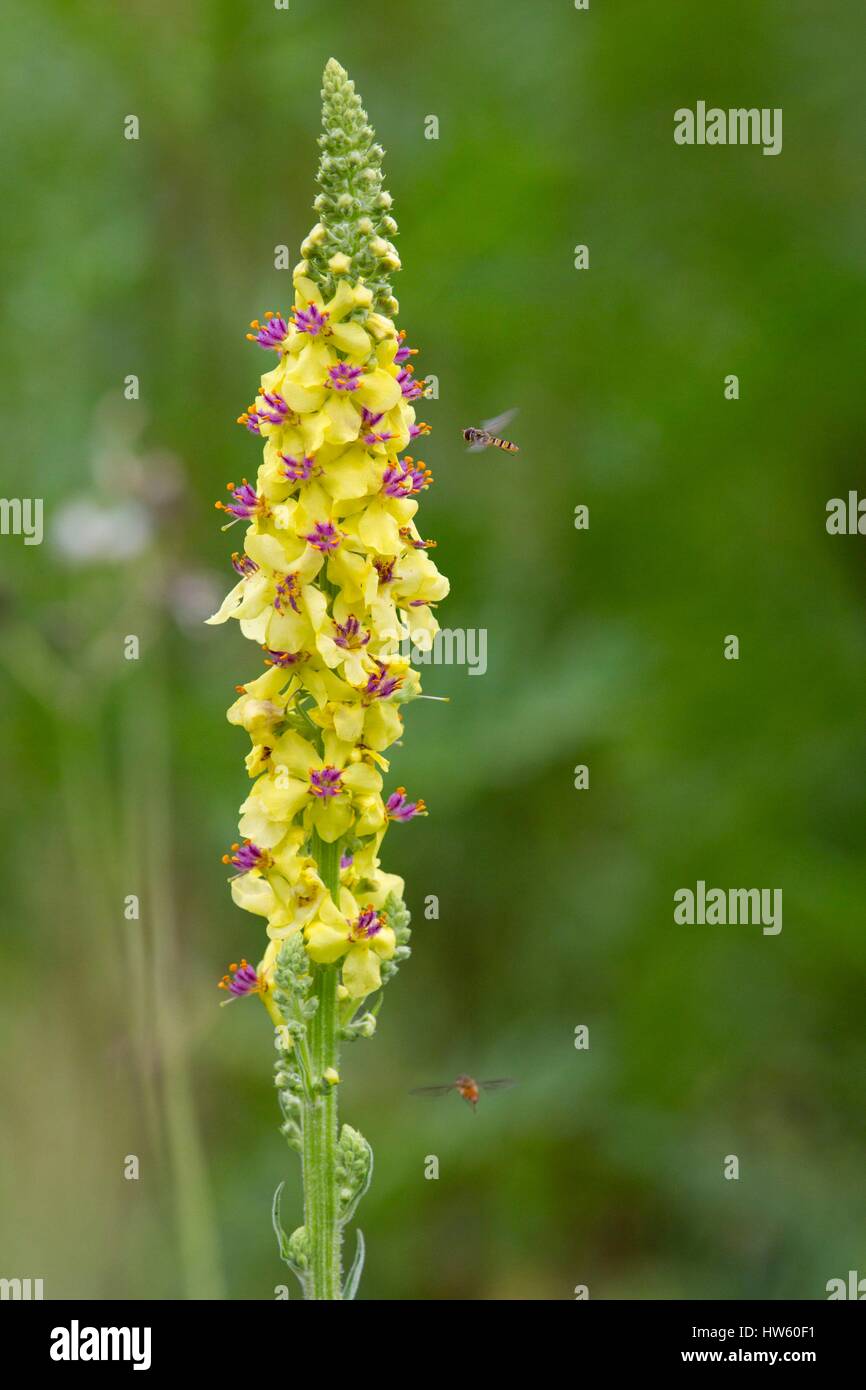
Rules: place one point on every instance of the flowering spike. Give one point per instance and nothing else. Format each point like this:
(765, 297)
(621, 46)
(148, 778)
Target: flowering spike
(330, 569)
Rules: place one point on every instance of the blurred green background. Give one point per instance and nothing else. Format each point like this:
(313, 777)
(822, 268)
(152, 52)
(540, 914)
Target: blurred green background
(605, 647)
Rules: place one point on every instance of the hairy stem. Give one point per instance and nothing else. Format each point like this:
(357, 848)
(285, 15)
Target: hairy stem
(324, 1232)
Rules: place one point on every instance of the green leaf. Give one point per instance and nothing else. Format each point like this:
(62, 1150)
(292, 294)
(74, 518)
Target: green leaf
(353, 1278)
(282, 1238)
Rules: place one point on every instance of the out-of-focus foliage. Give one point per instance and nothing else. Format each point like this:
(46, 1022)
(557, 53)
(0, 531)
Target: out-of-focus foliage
(605, 647)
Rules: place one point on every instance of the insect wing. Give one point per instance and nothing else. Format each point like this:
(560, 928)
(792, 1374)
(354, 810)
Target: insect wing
(499, 422)
(499, 1083)
(432, 1090)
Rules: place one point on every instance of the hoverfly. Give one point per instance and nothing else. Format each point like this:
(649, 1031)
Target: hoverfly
(466, 1087)
(488, 434)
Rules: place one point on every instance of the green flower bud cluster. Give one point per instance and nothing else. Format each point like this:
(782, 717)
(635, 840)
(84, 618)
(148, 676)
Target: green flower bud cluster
(354, 1171)
(293, 1071)
(299, 1254)
(293, 988)
(399, 918)
(290, 1087)
(292, 978)
(352, 239)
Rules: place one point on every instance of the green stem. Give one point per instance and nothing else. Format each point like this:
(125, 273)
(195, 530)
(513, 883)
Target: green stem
(324, 1232)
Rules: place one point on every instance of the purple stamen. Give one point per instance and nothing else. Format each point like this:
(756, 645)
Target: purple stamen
(242, 979)
(246, 857)
(404, 477)
(271, 333)
(278, 410)
(345, 378)
(349, 635)
(282, 659)
(415, 541)
(287, 592)
(310, 320)
(325, 782)
(398, 807)
(244, 565)
(276, 413)
(324, 536)
(298, 470)
(380, 686)
(245, 501)
(369, 923)
(410, 388)
(384, 568)
(368, 423)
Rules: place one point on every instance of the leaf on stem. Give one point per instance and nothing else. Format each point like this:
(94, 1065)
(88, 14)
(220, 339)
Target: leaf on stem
(353, 1278)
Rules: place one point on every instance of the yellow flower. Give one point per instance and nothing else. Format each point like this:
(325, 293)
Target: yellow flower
(315, 319)
(321, 788)
(376, 724)
(360, 937)
(302, 904)
(261, 704)
(264, 875)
